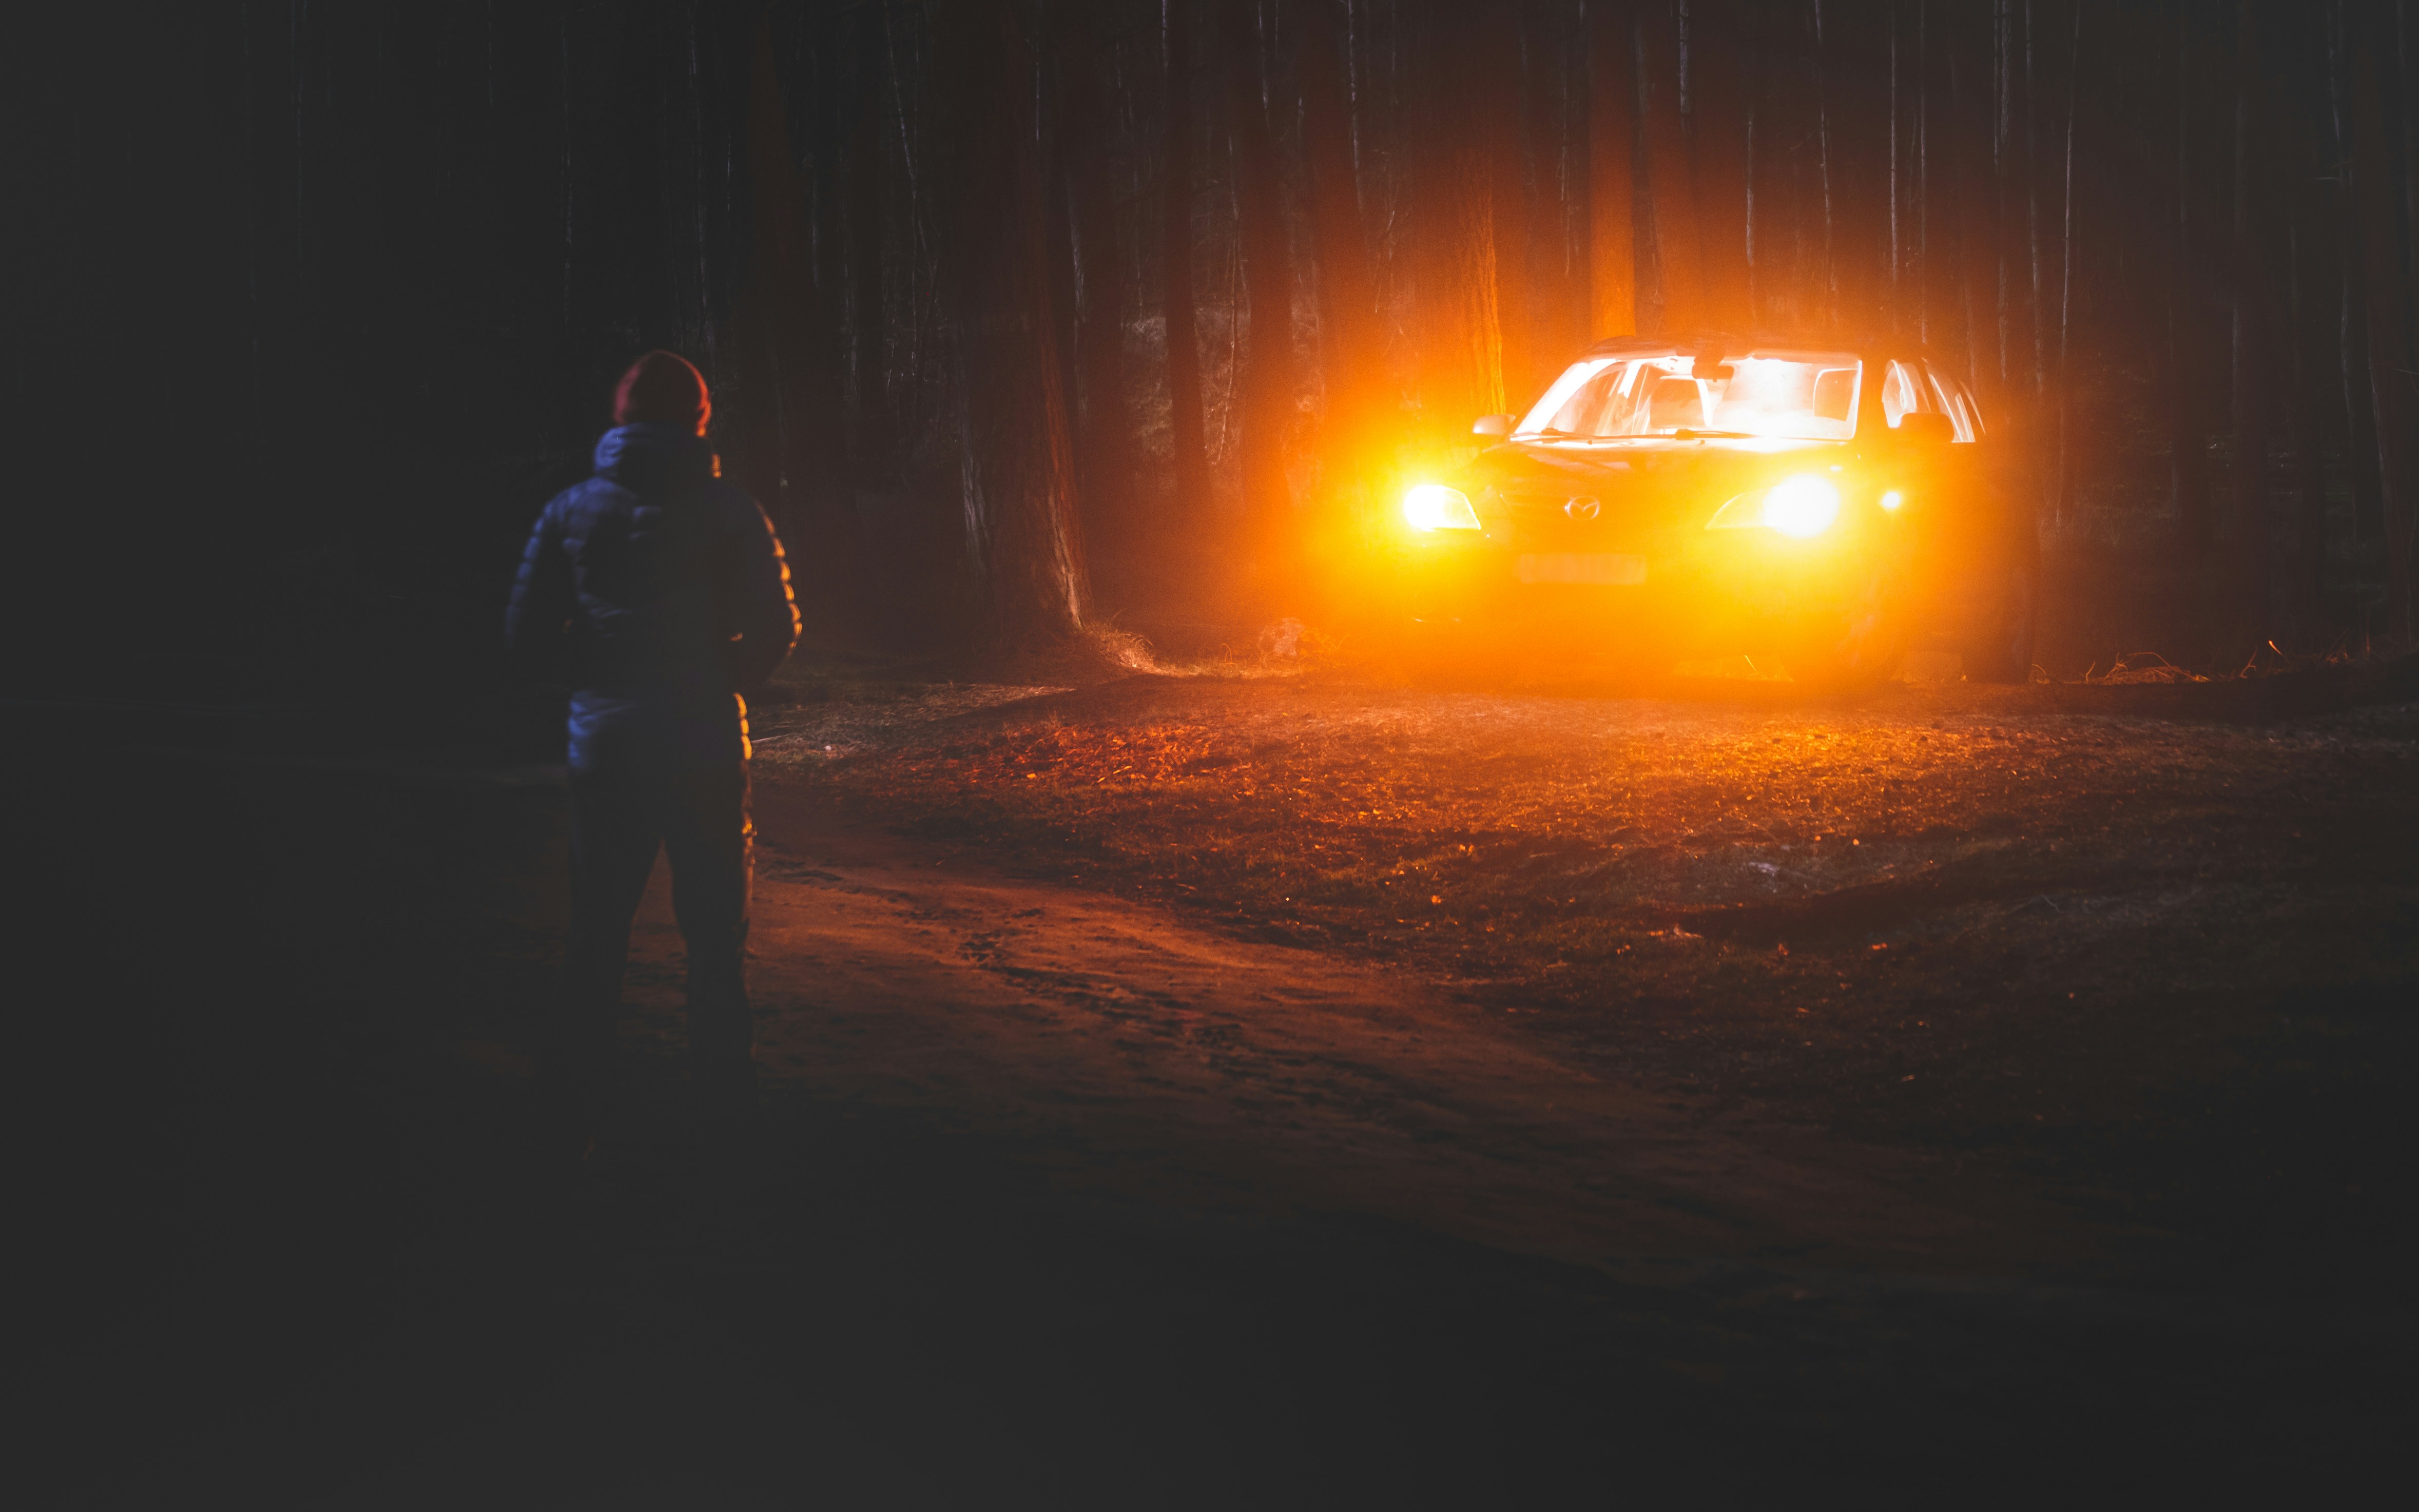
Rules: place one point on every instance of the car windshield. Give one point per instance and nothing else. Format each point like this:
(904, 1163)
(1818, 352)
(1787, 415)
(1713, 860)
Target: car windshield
(1796, 395)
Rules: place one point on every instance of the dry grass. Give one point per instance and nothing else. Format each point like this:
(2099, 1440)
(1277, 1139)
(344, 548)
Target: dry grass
(848, 719)
(2136, 667)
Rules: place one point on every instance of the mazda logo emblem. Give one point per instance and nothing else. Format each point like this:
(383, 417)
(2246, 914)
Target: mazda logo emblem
(1582, 508)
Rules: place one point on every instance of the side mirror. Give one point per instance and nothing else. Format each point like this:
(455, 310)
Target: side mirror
(1925, 430)
(1492, 426)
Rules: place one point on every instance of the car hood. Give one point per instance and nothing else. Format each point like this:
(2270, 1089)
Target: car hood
(1645, 471)
(1651, 495)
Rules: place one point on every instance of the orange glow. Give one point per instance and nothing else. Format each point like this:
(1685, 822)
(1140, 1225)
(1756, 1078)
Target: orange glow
(1432, 506)
(1776, 394)
(1803, 506)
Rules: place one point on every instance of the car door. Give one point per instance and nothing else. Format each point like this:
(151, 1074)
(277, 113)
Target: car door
(1931, 518)
(1983, 532)
(1948, 515)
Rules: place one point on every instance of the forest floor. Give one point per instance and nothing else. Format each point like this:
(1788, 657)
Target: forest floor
(2150, 975)
(1285, 1088)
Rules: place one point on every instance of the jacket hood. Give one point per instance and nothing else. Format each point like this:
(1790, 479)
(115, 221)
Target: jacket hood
(655, 460)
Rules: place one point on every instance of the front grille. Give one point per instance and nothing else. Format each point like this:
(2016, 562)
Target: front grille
(1537, 518)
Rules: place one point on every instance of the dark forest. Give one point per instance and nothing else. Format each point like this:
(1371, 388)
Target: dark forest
(1020, 314)
(1226, 1030)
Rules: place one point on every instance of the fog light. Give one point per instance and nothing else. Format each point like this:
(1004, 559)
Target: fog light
(1801, 506)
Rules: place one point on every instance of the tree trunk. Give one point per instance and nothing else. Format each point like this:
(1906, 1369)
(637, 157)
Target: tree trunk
(1558, 292)
(1855, 62)
(1718, 109)
(788, 413)
(2407, 105)
(2187, 437)
(1189, 458)
(1613, 151)
(1825, 146)
(2012, 130)
(1104, 446)
(827, 186)
(2017, 374)
(2361, 450)
(2036, 289)
(1058, 247)
(2390, 358)
(2307, 271)
(1018, 454)
(875, 446)
(2402, 559)
(1351, 345)
(1266, 381)
(1780, 169)
(1679, 253)
(2245, 616)
(1494, 45)
(2062, 500)
(1458, 329)
(1897, 283)
(2351, 294)
(1926, 241)
(1977, 199)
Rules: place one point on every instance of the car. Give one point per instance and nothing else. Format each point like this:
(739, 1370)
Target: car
(1825, 504)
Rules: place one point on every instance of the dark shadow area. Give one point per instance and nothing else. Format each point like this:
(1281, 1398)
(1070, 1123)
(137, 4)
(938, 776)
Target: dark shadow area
(310, 308)
(296, 1246)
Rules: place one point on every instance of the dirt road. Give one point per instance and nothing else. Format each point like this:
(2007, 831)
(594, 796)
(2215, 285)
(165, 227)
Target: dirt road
(1157, 1056)
(1995, 953)
(1131, 1143)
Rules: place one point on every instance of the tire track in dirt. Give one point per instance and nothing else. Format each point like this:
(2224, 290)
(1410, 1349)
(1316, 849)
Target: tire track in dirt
(1137, 1051)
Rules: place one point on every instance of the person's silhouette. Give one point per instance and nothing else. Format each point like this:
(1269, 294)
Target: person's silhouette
(658, 593)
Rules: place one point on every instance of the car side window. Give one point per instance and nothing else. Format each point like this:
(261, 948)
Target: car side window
(1953, 401)
(1904, 392)
(1584, 409)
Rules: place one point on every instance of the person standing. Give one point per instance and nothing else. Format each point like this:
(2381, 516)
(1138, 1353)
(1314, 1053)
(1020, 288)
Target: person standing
(658, 591)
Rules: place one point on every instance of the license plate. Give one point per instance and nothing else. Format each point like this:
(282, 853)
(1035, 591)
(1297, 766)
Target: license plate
(1582, 568)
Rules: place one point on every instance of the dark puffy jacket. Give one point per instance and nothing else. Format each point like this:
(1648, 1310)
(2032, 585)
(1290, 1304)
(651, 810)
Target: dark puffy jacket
(658, 591)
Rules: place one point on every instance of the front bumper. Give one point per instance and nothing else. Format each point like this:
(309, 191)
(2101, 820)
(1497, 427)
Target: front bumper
(1721, 592)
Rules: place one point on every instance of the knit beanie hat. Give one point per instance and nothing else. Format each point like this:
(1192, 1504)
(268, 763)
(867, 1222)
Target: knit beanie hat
(662, 388)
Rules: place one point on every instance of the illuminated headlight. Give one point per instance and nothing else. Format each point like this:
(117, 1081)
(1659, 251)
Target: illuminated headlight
(1432, 506)
(1801, 506)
